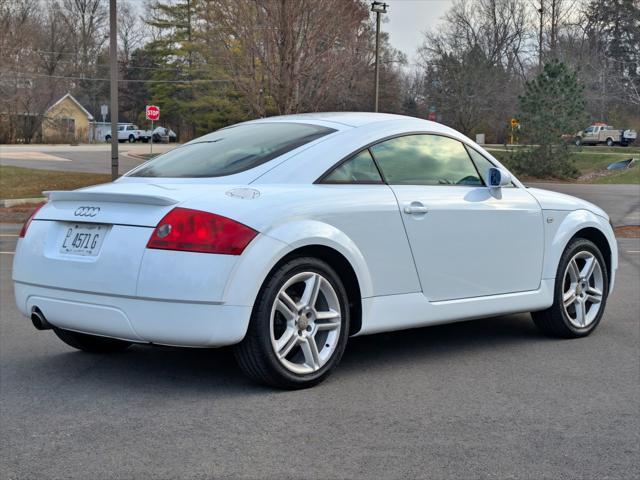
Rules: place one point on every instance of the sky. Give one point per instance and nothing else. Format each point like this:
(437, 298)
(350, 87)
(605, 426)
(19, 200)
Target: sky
(408, 19)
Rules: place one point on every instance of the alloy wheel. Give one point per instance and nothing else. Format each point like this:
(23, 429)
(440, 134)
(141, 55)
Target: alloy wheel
(305, 323)
(583, 288)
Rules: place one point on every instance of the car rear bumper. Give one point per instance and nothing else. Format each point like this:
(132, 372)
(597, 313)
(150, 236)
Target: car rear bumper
(191, 324)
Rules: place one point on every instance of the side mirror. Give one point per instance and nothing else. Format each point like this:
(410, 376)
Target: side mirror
(498, 177)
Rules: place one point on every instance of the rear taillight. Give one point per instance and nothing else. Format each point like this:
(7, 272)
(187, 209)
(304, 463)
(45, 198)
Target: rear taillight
(26, 224)
(196, 231)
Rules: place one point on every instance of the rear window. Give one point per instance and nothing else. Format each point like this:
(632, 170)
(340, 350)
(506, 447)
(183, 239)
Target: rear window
(231, 150)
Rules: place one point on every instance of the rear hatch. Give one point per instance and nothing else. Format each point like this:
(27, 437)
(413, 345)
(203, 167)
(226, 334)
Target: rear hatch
(93, 240)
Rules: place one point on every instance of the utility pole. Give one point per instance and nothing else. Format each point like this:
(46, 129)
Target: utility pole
(113, 66)
(541, 12)
(378, 8)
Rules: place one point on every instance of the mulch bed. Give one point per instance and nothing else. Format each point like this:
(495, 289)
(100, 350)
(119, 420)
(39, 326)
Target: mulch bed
(628, 231)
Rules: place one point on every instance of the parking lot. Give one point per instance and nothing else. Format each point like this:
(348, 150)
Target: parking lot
(483, 399)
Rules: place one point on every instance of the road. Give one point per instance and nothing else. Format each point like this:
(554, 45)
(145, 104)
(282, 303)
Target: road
(94, 158)
(483, 399)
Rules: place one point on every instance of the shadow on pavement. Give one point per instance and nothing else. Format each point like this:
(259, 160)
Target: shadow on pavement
(214, 371)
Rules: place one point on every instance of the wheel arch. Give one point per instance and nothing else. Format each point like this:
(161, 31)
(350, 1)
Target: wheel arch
(303, 237)
(583, 224)
(600, 240)
(345, 271)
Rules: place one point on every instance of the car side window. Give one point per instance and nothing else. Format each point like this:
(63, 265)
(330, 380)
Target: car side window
(481, 162)
(425, 160)
(358, 169)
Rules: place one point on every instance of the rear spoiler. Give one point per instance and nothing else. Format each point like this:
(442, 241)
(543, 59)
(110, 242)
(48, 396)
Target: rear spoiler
(79, 195)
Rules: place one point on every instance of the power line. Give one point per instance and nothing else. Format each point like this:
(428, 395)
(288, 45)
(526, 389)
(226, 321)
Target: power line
(124, 80)
(69, 62)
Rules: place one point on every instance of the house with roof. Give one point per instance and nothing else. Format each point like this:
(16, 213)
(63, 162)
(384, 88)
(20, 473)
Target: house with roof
(67, 121)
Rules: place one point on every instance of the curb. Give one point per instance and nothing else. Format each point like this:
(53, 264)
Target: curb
(138, 156)
(13, 202)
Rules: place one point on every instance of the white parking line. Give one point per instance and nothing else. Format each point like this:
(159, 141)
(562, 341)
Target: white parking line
(8, 234)
(7, 253)
(633, 251)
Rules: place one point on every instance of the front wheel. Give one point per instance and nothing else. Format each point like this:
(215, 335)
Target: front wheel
(299, 326)
(580, 296)
(577, 141)
(90, 343)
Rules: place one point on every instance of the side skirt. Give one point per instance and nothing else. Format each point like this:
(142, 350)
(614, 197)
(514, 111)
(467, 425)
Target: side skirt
(411, 310)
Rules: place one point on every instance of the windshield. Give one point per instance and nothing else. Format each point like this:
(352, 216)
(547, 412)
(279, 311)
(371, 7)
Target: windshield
(231, 150)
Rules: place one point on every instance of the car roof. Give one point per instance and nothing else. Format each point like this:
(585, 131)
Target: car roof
(347, 119)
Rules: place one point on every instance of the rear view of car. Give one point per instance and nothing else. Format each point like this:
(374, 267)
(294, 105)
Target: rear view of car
(131, 261)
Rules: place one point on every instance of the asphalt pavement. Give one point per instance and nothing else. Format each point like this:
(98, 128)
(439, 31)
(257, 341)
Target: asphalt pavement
(95, 158)
(482, 399)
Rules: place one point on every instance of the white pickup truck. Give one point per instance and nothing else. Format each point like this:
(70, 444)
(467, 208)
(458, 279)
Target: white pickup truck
(601, 133)
(129, 132)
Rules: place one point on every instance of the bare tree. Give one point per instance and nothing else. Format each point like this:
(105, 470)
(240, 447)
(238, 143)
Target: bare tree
(476, 63)
(86, 24)
(288, 52)
(20, 99)
(132, 31)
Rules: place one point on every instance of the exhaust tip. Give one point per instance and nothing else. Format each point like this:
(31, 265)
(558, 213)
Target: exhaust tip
(39, 321)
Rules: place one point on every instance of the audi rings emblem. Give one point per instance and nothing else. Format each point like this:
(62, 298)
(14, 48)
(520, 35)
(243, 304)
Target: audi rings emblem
(86, 211)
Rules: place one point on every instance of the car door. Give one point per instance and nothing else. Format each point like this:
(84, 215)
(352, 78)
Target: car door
(591, 134)
(467, 240)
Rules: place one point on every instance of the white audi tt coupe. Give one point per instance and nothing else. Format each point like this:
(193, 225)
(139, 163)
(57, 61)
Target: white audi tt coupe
(287, 235)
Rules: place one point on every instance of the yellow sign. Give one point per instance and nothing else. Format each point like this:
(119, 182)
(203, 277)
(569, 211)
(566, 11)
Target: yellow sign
(515, 122)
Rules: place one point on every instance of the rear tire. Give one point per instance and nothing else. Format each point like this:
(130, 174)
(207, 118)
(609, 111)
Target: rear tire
(299, 326)
(580, 293)
(132, 139)
(609, 142)
(90, 343)
(107, 139)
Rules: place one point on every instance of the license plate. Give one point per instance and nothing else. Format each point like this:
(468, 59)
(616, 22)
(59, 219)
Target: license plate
(83, 239)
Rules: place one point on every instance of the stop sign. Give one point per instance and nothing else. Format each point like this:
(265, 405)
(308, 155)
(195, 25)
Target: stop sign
(153, 113)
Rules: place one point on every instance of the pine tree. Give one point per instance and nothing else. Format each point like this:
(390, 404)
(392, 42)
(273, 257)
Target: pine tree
(552, 106)
(192, 90)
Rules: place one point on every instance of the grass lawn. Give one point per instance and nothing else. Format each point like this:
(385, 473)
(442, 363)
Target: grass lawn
(630, 175)
(17, 182)
(592, 162)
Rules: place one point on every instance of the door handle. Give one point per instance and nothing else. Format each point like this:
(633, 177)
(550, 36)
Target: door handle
(415, 208)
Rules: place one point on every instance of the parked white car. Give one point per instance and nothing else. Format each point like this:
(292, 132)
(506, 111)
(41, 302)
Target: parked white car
(128, 132)
(285, 236)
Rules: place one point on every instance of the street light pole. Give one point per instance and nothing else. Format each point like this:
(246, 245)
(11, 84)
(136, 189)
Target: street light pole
(113, 66)
(541, 12)
(378, 8)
